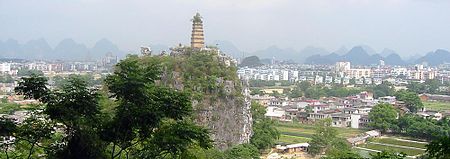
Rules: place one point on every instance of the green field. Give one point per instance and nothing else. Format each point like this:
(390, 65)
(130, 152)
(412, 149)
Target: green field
(297, 133)
(393, 141)
(409, 152)
(290, 132)
(439, 106)
(8, 108)
(292, 139)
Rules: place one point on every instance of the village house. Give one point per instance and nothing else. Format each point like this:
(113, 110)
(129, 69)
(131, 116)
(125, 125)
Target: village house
(263, 100)
(387, 99)
(275, 113)
(292, 148)
(362, 138)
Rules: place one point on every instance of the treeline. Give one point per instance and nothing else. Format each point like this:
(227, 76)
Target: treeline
(385, 118)
(308, 90)
(263, 83)
(6, 78)
(431, 86)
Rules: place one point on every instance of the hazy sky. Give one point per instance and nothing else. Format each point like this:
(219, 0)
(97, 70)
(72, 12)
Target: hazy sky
(407, 26)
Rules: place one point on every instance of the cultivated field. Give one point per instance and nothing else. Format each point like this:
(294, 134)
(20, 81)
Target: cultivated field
(439, 106)
(297, 133)
(409, 147)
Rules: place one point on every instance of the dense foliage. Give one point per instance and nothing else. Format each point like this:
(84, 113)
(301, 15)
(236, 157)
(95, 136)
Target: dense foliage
(429, 86)
(388, 155)
(264, 131)
(326, 141)
(383, 117)
(28, 72)
(6, 78)
(439, 148)
(251, 61)
(146, 120)
(308, 90)
(411, 100)
(263, 83)
(419, 127)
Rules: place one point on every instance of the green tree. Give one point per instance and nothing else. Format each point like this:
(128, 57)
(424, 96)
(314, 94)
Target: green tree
(243, 151)
(5, 100)
(33, 87)
(416, 87)
(6, 78)
(251, 61)
(34, 130)
(76, 107)
(388, 155)
(411, 99)
(7, 129)
(416, 126)
(381, 90)
(439, 148)
(276, 94)
(341, 150)
(315, 92)
(432, 86)
(304, 85)
(383, 117)
(264, 131)
(151, 120)
(28, 72)
(325, 140)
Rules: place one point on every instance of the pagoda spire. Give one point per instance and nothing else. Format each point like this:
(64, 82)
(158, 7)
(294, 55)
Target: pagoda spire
(197, 36)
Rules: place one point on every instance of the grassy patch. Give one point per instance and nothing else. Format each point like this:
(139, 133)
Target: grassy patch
(439, 106)
(306, 130)
(410, 152)
(298, 133)
(400, 143)
(8, 108)
(292, 139)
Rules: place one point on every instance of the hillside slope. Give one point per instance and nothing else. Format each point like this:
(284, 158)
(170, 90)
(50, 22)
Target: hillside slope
(216, 94)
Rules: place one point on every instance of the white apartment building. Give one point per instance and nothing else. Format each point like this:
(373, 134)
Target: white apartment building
(5, 68)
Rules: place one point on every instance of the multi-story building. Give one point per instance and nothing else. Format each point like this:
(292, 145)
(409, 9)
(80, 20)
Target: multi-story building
(5, 67)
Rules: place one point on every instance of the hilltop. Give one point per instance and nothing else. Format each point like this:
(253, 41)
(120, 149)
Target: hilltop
(216, 93)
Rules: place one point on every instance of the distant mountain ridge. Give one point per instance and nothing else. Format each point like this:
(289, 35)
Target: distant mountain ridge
(67, 49)
(358, 55)
(435, 58)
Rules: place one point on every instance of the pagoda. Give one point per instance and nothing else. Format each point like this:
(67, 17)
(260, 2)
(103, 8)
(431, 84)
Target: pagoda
(197, 37)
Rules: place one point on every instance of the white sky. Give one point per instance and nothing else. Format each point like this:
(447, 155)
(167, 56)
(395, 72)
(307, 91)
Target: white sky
(406, 26)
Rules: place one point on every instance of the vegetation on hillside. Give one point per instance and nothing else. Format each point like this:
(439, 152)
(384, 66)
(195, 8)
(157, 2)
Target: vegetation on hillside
(148, 121)
(251, 61)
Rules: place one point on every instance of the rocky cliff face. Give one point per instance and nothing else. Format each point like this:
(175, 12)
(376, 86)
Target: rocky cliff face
(228, 117)
(220, 99)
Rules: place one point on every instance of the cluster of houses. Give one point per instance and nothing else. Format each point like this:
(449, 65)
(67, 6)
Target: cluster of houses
(351, 111)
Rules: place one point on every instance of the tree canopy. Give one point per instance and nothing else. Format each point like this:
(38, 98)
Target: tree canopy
(147, 120)
(264, 132)
(412, 101)
(383, 117)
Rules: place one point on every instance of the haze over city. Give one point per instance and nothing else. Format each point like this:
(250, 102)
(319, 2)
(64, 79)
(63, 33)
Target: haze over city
(409, 27)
